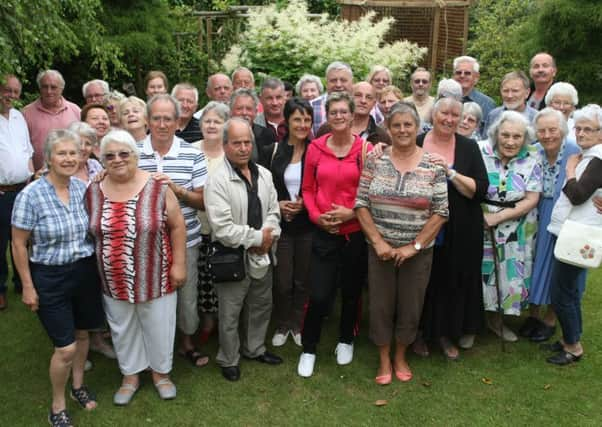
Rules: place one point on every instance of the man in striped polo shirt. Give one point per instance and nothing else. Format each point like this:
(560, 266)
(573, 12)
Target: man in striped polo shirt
(175, 162)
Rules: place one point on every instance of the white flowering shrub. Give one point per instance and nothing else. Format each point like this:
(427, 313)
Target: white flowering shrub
(286, 43)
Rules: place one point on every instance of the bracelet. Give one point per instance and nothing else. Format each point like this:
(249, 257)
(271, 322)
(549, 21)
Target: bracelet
(452, 174)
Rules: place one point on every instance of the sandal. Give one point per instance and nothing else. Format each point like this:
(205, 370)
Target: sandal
(194, 356)
(83, 396)
(449, 349)
(61, 419)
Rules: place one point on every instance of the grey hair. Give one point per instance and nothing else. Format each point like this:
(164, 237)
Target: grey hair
(378, 69)
(309, 78)
(337, 66)
(104, 85)
(209, 79)
(562, 89)
(121, 137)
(339, 96)
(243, 69)
(447, 101)
(219, 108)
(473, 109)
(133, 100)
(53, 73)
(163, 97)
(465, 58)
(511, 116)
(449, 88)
(403, 107)
(186, 86)
(591, 112)
(421, 70)
(272, 83)
(551, 112)
(84, 130)
(59, 135)
(115, 95)
(243, 91)
(226, 129)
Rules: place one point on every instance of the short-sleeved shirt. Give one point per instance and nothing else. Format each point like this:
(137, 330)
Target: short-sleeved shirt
(15, 149)
(59, 233)
(186, 167)
(401, 205)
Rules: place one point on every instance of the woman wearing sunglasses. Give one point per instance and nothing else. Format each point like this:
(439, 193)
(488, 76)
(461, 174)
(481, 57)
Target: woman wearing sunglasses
(140, 239)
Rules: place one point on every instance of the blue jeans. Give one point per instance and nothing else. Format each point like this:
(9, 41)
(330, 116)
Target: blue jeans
(566, 295)
(7, 200)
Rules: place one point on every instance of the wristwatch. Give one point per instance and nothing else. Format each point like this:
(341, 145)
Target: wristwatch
(416, 245)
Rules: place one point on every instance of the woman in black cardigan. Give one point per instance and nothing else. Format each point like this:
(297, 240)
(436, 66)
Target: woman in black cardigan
(286, 160)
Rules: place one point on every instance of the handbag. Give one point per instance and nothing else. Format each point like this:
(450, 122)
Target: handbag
(227, 264)
(579, 245)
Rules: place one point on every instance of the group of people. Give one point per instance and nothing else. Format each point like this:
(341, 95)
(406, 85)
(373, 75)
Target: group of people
(147, 217)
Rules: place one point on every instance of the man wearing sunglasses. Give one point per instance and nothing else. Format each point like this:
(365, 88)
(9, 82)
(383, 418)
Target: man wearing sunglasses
(421, 83)
(466, 72)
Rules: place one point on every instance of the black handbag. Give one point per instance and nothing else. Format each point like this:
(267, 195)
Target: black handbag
(227, 264)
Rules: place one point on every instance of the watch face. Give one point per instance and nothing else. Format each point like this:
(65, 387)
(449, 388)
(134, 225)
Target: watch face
(417, 246)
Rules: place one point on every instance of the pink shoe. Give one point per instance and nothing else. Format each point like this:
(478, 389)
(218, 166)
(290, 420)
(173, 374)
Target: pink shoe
(403, 376)
(383, 379)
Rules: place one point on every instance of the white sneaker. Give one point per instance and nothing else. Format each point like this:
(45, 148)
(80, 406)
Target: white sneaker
(88, 366)
(279, 338)
(466, 341)
(306, 365)
(501, 330)
(344, 353)
(296, 337)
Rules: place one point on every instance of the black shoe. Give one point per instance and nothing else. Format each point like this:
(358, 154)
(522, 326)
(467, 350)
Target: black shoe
(543, 333)
(554, 347)
(267, 358)
(531, 324)
(564, 358)
(231, 373)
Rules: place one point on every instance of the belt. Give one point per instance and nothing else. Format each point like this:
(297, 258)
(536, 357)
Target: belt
(12, 187)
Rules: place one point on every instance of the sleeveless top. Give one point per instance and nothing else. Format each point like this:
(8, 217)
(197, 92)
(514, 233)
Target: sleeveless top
(132, 243)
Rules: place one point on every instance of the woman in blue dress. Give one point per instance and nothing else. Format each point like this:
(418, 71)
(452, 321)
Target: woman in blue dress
(555, 148)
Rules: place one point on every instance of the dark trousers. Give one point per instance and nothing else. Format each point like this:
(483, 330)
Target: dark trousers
(334, 257)
(566, 299)
(7, 200)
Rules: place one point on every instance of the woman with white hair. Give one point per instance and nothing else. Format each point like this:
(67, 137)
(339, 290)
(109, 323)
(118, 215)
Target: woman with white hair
(379, 77)
(472, 116)
(583, 183)
(563, 97)
(309, 87)
(515, 182)
(140, 239)
(88, 168)
(554, 149)
(132, 117)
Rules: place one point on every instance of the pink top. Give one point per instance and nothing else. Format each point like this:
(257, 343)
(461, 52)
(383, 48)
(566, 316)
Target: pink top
(41, 121)
(328, 179)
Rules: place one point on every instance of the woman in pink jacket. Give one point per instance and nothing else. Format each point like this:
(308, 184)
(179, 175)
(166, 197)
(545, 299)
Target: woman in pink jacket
(333, 166)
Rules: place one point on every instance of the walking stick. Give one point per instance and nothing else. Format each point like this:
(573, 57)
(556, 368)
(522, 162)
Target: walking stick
(497, 286)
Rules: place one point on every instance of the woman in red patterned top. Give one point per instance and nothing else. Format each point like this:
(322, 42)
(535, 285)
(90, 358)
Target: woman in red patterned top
(140, 240)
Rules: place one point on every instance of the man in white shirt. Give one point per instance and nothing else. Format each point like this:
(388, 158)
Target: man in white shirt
(16, 167)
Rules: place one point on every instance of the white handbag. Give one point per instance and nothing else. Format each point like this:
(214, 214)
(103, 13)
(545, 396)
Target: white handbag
(579, 245)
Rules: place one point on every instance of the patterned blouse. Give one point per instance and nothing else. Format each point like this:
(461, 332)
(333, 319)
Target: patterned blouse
(402, 204)
(132, 243)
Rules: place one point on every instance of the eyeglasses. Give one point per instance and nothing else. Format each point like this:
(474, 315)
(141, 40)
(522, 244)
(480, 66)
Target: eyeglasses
(562, 104)
(463, 73)
(123, 155)
(585, 130)
(421, 81)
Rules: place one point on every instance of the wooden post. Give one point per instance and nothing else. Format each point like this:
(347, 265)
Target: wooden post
(209, 37)
(435, 40)
(201, 33)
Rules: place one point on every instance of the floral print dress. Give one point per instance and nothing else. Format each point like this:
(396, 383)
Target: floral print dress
(515, 239)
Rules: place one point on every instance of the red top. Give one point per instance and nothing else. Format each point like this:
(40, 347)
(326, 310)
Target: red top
(328, 179)
(132, 243)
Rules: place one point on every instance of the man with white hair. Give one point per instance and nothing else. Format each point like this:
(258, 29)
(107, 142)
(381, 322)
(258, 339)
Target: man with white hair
(95, 91)
(219, 88)
(466, 72)
(188, 127)
(339, 78)
(243, 77)
(49, 111)
(543, 71)
(515, 91)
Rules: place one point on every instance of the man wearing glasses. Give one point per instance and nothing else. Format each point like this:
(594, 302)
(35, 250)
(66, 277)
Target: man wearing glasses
(95, 91)
(421, 85)
(181, 166)
(466, 72)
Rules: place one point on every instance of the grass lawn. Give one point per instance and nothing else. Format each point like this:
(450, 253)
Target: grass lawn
(523, 389)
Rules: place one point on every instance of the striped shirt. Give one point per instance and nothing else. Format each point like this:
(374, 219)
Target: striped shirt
(186, 167)
(402, 204)
(59, 233)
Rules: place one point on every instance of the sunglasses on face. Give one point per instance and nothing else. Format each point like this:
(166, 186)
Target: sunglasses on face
(123, 155)
(463, 73)
(419, 81)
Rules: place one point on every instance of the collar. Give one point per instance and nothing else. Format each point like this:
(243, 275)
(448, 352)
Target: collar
(234, 171)
(174, 150)
(40, 107)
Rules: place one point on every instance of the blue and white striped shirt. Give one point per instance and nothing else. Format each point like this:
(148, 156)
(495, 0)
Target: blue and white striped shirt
(186, 167)
(59, 233)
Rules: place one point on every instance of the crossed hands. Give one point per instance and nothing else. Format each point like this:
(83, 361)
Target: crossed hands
(331, 220)
(386, 252)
